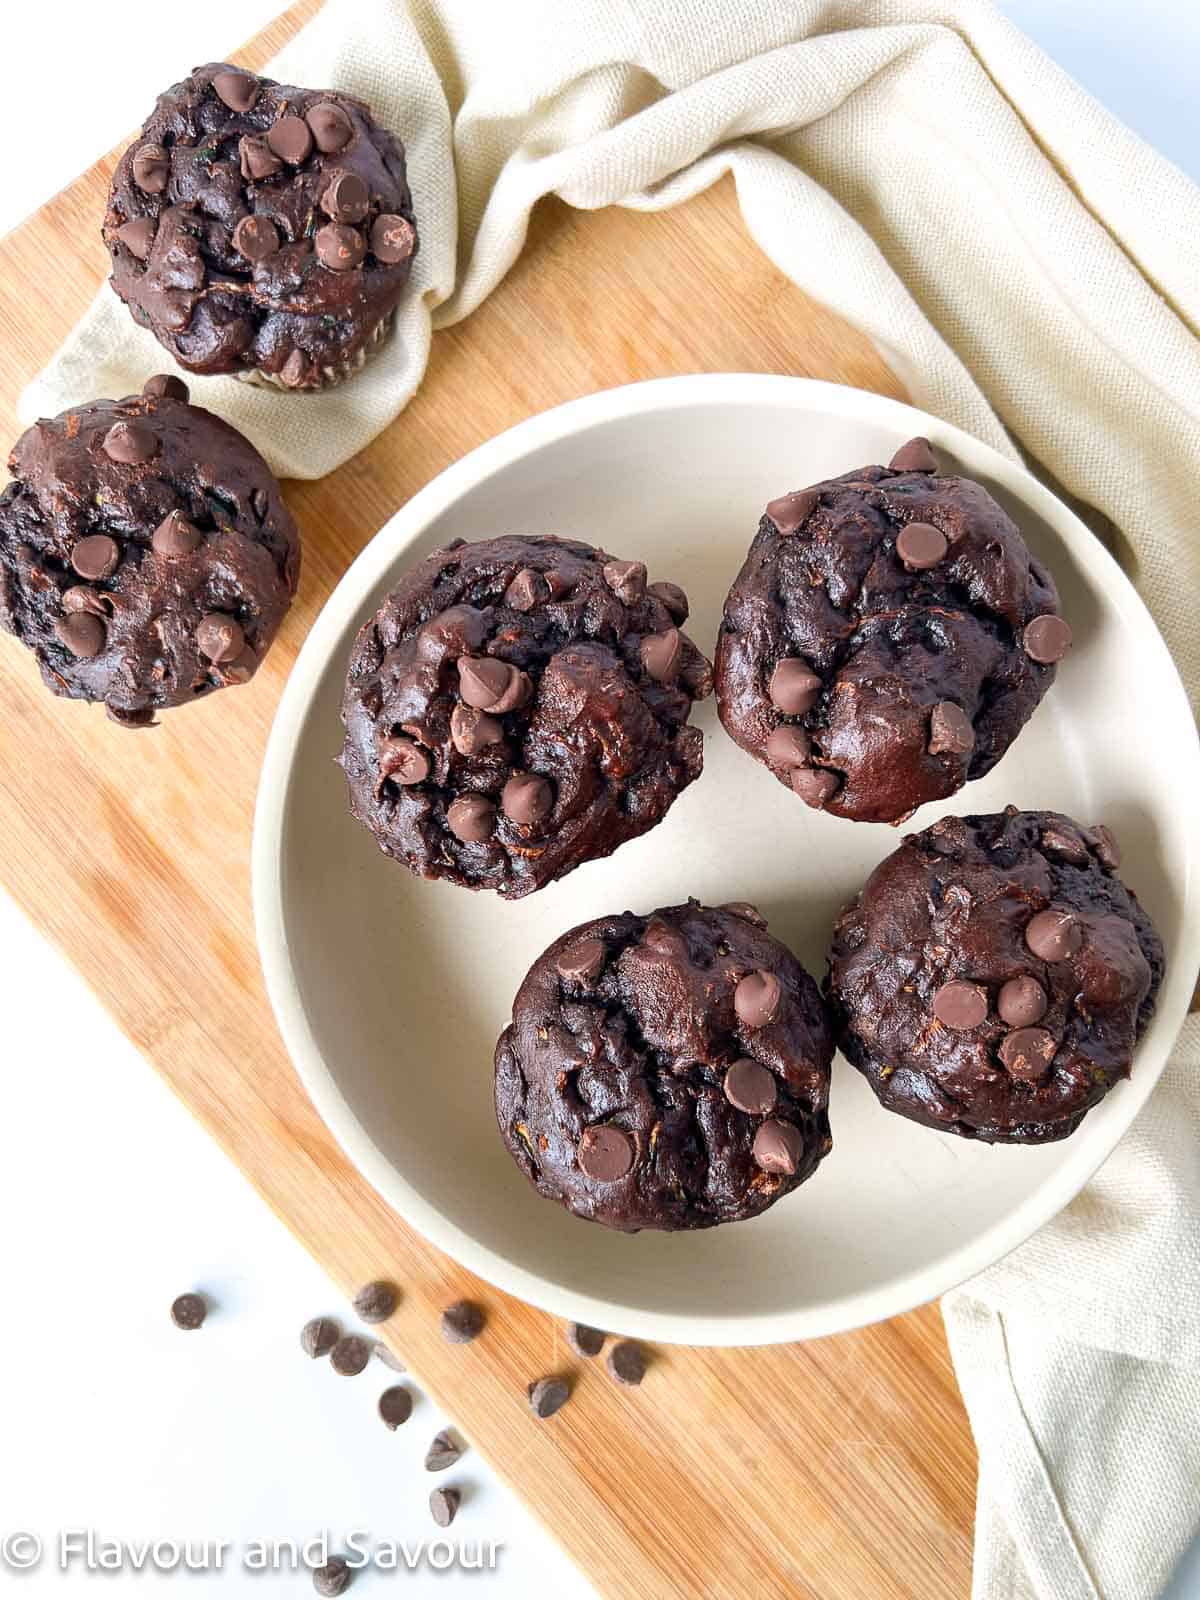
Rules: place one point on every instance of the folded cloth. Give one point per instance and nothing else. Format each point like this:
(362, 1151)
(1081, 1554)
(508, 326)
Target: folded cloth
(1030, 270)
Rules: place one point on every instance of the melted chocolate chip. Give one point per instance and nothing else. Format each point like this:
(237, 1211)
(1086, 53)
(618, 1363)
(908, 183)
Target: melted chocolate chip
(950, 730)
(151, 169)
(627, 579)
(138, 236)
(257, 159)
(662, 655)
(815, 786)
(794, 687)
(581, 962)
(472, 730)
(527, 798)
(403, 761)
(82, 632)
(788, 747)
(778, 1147)
(1053, 935)
(471, 818)
(256, 238)
(673, 597)
(757, 998)
(220, 637)
(129, 444)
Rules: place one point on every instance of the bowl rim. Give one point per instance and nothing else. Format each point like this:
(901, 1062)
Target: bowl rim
(346, 605)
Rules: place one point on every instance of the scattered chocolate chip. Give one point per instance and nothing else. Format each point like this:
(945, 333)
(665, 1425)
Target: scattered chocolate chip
(626, 579)
(443, 1452)
(673, 597)
(581, 962)
(547, 1396)
(392, 239)
(815, 786)
(757, 998)
(375, 1302)
(1103, 842)
(750, 1087)
(662, 655)
(164, 385)
(626, 1363)
(462, 1322)
(151, 168)
(472, 730)
(791, 511)
(238, 90)
(794, 687)
(349, 1355)
(1046, 639)
(292, 141)
(915, 456)
(82, 632)
(1021, 1002)
(920, 545)
(585, 1341)
(443, 1506)
(257, 159)
(483, 681)
(219, 637)
(527, 799)
(96, 557)
(138, 236)
(527, 590)
(747, 912)
(788, 747)
(346, 197)
(960, 1005)
(471, 818)
(1027, 1052)
(1069, 846)
(403, 761)
(339, 246)
(778, 1147)
(256, 238)
(175, 537)
(950, 730)
(129, 444)
(1053, 935)
(189, 1311)
(605, 1154)
(395, 1406)
(331, 127)
(80, 598)
(331, 1579)
(318, 1337)
(381, 1352)
(294, 370)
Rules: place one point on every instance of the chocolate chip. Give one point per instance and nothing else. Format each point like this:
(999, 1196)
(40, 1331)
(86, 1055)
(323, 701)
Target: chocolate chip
(757, 998)
(626, 1363)
(175, 537)
(392, 239)
(920, 545)
(527, 799)
(915, 456)
(527, 590)
(189, 1311)
(403, 761)
(1053, 935)
(375, 1302)
(238, 90)
(794, 687)
(950, 730)
(1046, 639)
(129, 444)
(1021, 1002)
(1108, 851)
(96, 557)
(791, 511)
(472, 730)
(331, 127)
(662, 939)
(83, 633)
(294, 370)
(581, 962)
(219, 637)
(318, 1337)
(462, 1322)
(960, 1005)
(750, 1087)
(256, 238)
(519, 691)
(349, 1355)
(605, 1154)
(471, 818)
(80, 598)
(662, 655)
(151, 168)
(346, 197)
(1027, 1052)
(778, 1147)
(673, 597)
(257, 159)
(583, 1340)
(339, 247)
(788, 747)
(395, 1406)
(138, 236)
(1068, 845)
(381, 1352)
(626, 579)
(443, 1506)
(483, 681)
(443, 1452)
(165, 386)
(331, 1579)
(292, 141)
(747, 912)
(547, 1396)
(815, 786)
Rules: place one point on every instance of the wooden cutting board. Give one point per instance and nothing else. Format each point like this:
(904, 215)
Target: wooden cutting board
(837, 1470)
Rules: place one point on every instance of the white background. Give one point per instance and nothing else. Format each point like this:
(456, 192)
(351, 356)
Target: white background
(113, 1201)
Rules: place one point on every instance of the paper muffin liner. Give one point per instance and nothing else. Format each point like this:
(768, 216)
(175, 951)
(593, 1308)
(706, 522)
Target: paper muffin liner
(331, 376)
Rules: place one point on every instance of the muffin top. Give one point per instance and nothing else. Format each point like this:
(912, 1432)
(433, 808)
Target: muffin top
(146, 554)
(517, 707)
(256, 226)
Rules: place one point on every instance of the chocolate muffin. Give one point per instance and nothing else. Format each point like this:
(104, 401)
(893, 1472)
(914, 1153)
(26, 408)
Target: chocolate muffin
(146, 554)
(994, 975)
(517, 707)
(260, 229)
(668, 1071)
(887, 638)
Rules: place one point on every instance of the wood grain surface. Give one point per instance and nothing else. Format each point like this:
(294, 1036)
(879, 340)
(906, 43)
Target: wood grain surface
(836, 1470)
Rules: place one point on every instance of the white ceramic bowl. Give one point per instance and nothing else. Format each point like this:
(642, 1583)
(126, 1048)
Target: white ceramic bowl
(390, 992)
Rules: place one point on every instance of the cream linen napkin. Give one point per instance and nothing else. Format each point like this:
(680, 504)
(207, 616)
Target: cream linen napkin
(1031, 271)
